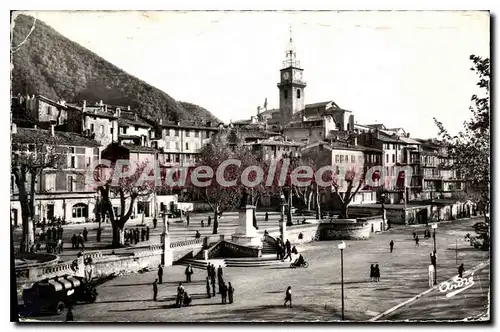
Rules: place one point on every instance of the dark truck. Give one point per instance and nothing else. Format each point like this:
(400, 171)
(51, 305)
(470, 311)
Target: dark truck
(55, 294)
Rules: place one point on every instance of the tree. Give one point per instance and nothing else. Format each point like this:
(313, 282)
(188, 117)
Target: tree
(218, 196)
(31, 156)
(470, 148)
(127, 189)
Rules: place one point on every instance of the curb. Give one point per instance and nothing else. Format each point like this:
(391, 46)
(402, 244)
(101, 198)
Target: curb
(478, 267)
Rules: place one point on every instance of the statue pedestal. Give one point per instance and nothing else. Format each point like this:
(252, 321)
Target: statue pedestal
(246, 234)
(167, 258)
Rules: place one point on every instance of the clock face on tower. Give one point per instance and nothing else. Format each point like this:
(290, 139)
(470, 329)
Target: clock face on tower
(298, 75)
(286, 75)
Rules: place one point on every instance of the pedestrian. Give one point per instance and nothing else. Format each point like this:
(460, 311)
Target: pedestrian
(230, 293)
(180, 295)
(155, 289)
(187, 220)
(143, 234)
(188, 272)
(278, 250)
(221, 283)
(85, 233)
(267, 216)
(219, 273)
(288, 246)
(416, 241)
(202, 225)
(208, 287)
(137, 234)
(98, 236)
(155, 221)
(414, 234)
(377, 273)
(197, 235)
(160, 274)
(209, 221)
(147, 233)
(288, 296)
(80, 241)
(60, 246)
(74, 241)
(223, 292)
(187, 299)
(69, 314)
(461, 270)
(213, 287)
(372, 273)
(391, 244)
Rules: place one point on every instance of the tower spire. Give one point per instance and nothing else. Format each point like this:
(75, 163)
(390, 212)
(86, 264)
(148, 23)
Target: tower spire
(290, 55)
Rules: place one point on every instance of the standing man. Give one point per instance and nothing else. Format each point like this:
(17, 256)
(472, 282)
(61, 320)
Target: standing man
(288, 296)
(160, 273)
(416, 241)
(85, 233)
(267, 216)
(219, 274)
(147, 233)
(155, 289)
(209, 221)
(230, 292)
(98, 236)
(208, 287)
(180, 295)
(223, 292)
(187, 220)
(391, 244)
(461, 270)
(189, 272)
(155, 221)
(414, 234)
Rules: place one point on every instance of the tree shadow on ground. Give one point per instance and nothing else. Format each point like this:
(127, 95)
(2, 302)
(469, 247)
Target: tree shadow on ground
(185, 284)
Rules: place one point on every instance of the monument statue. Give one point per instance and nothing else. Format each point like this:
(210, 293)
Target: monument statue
(246, 199)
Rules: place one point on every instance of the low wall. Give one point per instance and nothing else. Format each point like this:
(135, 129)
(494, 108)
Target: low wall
(344, 231)
(376, 223)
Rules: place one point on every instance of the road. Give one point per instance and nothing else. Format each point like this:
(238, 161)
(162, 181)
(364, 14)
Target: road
(316, 290)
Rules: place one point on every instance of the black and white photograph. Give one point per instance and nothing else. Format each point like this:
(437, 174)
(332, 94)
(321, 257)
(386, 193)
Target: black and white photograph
(179, 166)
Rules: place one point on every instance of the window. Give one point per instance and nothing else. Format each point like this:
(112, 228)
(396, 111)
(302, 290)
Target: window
(187, 133)
(72, 162)
(187, 146)
(298, 93)
(207, 134)
(177, 158)
(111, 130)
(102, 129)
(177, 145)
(92, 127)
(353, 159)
(346, 158)
(386, 158)
(167, 132)
(196, 133)
(167, 145)
(286, 94)
(360, 158)
(80, 210)
(125, 130)
(176, 132)
(49, 110)
(393, 158)
(341, 159)
(71, 183)
(136, 128)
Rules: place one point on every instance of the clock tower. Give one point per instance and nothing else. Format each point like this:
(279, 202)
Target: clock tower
(291, 85)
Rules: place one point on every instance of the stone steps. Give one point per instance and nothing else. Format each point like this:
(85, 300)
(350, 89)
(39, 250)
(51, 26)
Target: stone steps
(265, 260)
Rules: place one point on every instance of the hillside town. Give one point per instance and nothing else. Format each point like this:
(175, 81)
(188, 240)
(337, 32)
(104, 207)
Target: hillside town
(70, 233)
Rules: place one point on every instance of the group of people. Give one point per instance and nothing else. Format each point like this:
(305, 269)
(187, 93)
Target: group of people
(134, 235)
(203, 222)
(79, 240)
(53, 238)
(224, 290)
(374, 273)
(285, 250)
(184, 299)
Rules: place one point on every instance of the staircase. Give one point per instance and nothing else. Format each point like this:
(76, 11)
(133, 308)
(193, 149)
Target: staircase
(201, 264)
(268, 248)
(265, 260)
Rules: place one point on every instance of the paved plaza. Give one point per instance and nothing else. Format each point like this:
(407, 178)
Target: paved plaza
(259, 291)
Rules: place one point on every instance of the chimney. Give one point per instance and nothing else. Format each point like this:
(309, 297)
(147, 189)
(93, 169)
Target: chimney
(135, 117)
(62, 102)
(52, 133)
(35, 127)
(101, 103)
(178, 123)
(128, 108)
(13, 128)
(286, 138)
(84, 104)
(355, 141)
(142, 140)
(118, 111)
(161, 121)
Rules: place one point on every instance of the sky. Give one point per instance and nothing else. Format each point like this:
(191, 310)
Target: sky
(396, 68)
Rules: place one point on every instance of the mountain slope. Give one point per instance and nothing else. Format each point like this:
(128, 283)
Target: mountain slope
(58, 68)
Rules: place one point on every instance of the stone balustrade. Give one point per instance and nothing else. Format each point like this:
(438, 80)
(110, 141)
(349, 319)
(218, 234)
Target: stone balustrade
(185, 243)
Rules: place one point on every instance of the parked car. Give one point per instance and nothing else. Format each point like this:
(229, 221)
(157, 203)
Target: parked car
(55, 294)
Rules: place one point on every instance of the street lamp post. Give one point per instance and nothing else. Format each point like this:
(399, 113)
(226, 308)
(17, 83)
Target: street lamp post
(434, 227)
(342, 246)
(383, 208)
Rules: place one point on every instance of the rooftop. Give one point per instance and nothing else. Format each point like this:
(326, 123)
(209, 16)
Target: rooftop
(36, 136)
